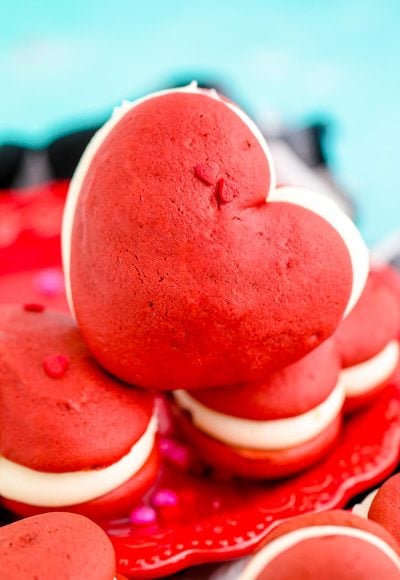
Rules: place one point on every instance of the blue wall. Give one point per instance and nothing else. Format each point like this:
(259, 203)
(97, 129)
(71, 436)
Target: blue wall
(63, 64)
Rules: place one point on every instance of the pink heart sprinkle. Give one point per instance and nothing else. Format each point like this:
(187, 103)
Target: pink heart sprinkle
(175, 452)
(164, 497)
(226, 190)
(207, 172)
(143, 515)
(55, 366)
(49, 282)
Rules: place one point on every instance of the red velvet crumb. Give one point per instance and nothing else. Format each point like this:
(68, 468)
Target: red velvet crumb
(226, 190)
(33, 307)
(207, 172)
(56, 365)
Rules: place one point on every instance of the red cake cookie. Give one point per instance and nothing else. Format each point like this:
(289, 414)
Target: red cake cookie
(71, 437)
(330, 546)
(368, 343)
(270, 428)
(179, 273)
(385, 506)
(60, 546)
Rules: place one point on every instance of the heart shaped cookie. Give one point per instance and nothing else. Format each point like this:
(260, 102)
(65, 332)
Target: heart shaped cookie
(333, 544)
(385, 506)
(368, 343)
(186, 267)
(271, 428)
(71, 437)
(56, 545)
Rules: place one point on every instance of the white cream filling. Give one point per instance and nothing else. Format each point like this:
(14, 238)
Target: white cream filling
(283, 543)
(361, 378)
(362, 509)
(265, 435)
(99, 138)
(330, 212)
(44, 489)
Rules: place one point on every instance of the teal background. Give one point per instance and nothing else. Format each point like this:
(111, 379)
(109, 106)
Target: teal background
(65, 64)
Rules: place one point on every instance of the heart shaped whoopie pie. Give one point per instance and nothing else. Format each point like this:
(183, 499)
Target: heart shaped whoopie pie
(56, 545)
(368, 343)
(186, 267)
(330, 544)
(72, 438)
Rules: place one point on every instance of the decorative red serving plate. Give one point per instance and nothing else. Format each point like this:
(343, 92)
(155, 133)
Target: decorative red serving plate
(214, 520)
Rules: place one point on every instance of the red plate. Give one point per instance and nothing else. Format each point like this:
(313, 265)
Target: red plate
(214, 521)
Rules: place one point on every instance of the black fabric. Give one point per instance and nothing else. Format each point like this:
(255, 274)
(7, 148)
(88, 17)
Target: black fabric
(11, 157)
(65, 152)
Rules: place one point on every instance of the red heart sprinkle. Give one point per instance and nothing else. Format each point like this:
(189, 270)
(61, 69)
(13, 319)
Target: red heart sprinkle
(56, 365)
(207, 172)
(226, 190)
(32, 307)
